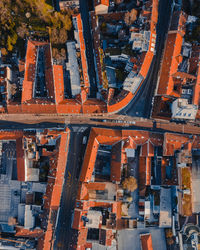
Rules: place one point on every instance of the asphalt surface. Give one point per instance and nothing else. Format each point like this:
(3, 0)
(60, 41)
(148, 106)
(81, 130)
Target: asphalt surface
(141, 105)
(9, 125)
(62, 234)
(84, 10)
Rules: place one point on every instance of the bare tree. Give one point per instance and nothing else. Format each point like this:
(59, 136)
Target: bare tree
(130, 17)
(130, 184)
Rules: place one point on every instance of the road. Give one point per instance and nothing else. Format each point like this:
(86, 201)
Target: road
(22, 121)
(12, 125)
(142, 103)
(84, 10)
(62, 235)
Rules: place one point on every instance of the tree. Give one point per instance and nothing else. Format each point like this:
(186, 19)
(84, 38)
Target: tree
(130, 184)
(63, 53)
(22, 30)
(54, 36)
(4, 51)
(169, 233)
(62, 35)
(19, 17)
(54, 52)
(129, 199)
(130, 17)
(170, 241)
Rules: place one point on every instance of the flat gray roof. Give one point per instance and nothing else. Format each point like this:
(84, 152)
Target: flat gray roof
(129, 239)
(73, 68)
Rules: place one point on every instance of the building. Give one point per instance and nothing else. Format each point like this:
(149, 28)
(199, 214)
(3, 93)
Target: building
(140, 41)
(165, 219)
(101, 6)
(69, 4)
(29, 202)
(38, 78)
(72, 67)
(172, 55)
(111, 155)
(178, 83)
(146, 241)
(182, 110)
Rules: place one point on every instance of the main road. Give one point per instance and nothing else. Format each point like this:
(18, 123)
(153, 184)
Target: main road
(62, 234)
(57, 121)
(142, 103)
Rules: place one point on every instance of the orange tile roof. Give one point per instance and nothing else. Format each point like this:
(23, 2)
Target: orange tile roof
(104, 2)
(54, 187)
(90, 158)
(147, 149)
(29, 75)
(10, 135)
(78, 223)
(173, 142)
(120, 104)
(96, 186)
(172, 57)
(22, 232)
(110, 137)
(148, 171)
(106, 237)
(82, 49)
(154, 15)
(21, 65)
(142, 171)
(170, 63)
(38, 108)
(105, 136)
(196, 95)
(146, 241)
(30, 70)
(82, 237)
(58, 83)
(20, 160)
(94, 106)
(115, 171)
(146, 63)
(183, 75)
(27, 91)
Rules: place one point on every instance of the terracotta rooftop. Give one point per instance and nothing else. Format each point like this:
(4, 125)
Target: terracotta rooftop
(104, 2)
(56, 102)
(54, 188)
(82, 49)
(122, 100)
(30, 70)
(172, 56)
(20, 159)
(59, 83)
(146, 241)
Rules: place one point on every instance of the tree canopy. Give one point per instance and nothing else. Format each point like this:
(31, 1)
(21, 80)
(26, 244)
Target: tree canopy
(130, 184)
(18, 18)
